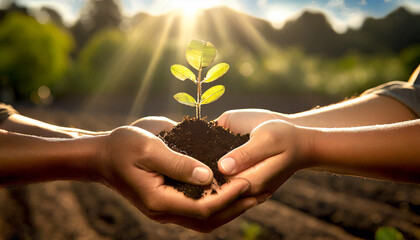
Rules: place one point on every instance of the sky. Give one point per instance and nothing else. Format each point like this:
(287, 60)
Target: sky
(341, 13)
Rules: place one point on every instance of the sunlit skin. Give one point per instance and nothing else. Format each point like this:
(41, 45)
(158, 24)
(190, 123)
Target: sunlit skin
(372, 135)
(130, 160)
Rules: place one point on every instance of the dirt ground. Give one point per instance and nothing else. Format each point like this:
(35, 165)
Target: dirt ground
(310, 205)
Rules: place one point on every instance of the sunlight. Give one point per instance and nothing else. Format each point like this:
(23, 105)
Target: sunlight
(173, 31)
(143, 91)
(191, 7)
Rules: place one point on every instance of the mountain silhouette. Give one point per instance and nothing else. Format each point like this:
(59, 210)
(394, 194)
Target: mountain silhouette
(395, 32)
(311, 31)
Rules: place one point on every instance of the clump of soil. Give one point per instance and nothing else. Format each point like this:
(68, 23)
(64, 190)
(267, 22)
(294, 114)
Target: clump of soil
(206, 142)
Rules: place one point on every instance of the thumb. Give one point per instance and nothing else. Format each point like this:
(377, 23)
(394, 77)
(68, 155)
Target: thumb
(179, 166)
(245, 156)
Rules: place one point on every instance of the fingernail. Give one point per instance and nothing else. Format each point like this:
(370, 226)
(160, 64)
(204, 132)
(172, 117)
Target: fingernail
(201, 174)
(228, 164)
(245, 189)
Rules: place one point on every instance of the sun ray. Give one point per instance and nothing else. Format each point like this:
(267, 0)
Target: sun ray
(256, 38)
(142, 93)
(114, 73)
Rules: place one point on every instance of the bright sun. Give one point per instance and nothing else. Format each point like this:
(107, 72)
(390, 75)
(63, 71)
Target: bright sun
(191, 7)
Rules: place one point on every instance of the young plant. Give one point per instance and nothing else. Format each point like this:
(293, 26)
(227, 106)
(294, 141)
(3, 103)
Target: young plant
(200, 54)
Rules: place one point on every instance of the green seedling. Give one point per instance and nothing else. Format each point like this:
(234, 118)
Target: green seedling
(200, 54)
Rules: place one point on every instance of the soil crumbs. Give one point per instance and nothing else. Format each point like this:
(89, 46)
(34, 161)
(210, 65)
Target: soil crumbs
(206, 142)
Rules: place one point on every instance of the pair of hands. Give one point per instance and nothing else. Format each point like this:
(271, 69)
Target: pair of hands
(133, 162)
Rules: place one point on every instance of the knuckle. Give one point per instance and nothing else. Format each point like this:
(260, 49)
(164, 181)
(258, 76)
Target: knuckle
(178, 165)
(148, 147)
(244, 157)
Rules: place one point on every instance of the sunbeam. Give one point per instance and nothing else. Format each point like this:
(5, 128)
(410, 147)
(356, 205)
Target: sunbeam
(142, 93)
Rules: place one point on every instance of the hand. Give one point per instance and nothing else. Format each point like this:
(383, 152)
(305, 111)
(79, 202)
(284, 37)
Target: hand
(245, 120)
(133, 162)
(154, 124)
(275, 151)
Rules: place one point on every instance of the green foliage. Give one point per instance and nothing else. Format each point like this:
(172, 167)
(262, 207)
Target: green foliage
(96, 58)
(185, 99)
(200, 54)
(32, 54)
(388, 233)
(250, 231)
(182, 72)
(212, 94)
(216, 72)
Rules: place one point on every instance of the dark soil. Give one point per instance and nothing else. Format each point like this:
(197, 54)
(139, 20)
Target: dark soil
(310, 205)
(206, 142)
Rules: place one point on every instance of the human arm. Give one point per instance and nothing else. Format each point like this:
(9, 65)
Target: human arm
(278, 149)
(129, 160)
(26, 125)
(366, 110)
(389, 103)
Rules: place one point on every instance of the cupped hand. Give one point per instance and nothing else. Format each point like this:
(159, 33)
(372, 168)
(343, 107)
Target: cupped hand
(275, 151)
(154, 124)
(243, 121)
(133, 162)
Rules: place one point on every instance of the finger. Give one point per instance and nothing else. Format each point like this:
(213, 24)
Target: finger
(222, 120)
(247, 155)
(267, 176)
(176, 165)
(220, 218)
(154, 124)
(174, 202)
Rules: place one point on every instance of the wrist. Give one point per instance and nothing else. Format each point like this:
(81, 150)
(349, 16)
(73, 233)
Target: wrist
(83, 161)
(308, 139)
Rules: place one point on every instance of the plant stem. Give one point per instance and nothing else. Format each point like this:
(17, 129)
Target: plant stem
(198, 107)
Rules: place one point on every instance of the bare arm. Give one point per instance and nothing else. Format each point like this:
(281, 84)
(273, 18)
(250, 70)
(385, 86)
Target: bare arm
(25, 158)
(389, 151)
(369, 109)
(130, 160)
(25, 125)
(278, 149)
(21, 124)
(366, 110)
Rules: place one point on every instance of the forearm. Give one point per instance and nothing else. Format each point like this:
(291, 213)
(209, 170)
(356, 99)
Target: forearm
(367, 110)
(21, 124)
(28, 159)
(386, 151)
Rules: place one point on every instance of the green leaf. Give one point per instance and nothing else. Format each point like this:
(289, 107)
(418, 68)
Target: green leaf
(185, 98)
(216, 72)
(388, 233)
(212, 94)
(182, 72)
(200, 54)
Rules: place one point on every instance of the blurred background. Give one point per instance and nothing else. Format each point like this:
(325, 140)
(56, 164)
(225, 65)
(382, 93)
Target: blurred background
(99, 64)
(116, 55)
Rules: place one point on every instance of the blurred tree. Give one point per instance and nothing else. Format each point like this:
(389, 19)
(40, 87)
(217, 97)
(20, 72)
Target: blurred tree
(9, 6)
(96, 15)
(411, 57)
(32, 54)
(95, 58)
